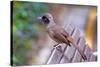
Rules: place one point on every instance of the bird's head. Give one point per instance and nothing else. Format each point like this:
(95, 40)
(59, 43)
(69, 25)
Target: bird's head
(46, 18)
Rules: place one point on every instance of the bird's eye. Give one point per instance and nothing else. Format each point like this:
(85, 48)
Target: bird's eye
(45, 20)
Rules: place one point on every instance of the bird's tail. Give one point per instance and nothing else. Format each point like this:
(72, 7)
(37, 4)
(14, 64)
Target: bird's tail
(80, 51)
(77, 47)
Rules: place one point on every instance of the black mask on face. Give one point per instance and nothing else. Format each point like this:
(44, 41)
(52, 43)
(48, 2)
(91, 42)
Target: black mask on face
(45, 20)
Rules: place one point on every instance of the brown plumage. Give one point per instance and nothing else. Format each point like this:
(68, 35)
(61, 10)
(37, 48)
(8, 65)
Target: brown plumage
(58, 34)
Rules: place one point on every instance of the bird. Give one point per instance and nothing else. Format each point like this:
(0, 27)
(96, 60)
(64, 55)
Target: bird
(58, 34)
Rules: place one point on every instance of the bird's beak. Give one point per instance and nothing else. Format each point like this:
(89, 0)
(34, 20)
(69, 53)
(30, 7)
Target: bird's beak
(39, 19)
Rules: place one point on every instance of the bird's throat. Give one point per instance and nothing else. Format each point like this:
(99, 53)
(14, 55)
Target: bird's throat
(51, 24)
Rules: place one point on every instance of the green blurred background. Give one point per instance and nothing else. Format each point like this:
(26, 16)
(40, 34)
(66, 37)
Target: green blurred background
(25, 29)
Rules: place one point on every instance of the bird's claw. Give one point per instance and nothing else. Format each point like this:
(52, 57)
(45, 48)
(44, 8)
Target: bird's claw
(58, 47)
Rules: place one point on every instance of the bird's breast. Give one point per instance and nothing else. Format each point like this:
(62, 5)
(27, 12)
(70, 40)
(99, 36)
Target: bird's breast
(52, 34)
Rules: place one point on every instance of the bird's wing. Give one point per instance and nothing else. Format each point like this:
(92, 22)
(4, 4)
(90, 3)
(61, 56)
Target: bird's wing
(69, 38)
(59, 35)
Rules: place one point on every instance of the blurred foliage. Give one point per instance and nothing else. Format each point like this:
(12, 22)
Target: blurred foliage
(25, 28)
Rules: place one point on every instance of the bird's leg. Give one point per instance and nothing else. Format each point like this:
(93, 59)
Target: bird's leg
(57, 46)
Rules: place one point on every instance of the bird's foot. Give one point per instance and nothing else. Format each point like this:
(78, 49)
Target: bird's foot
(57, 46)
